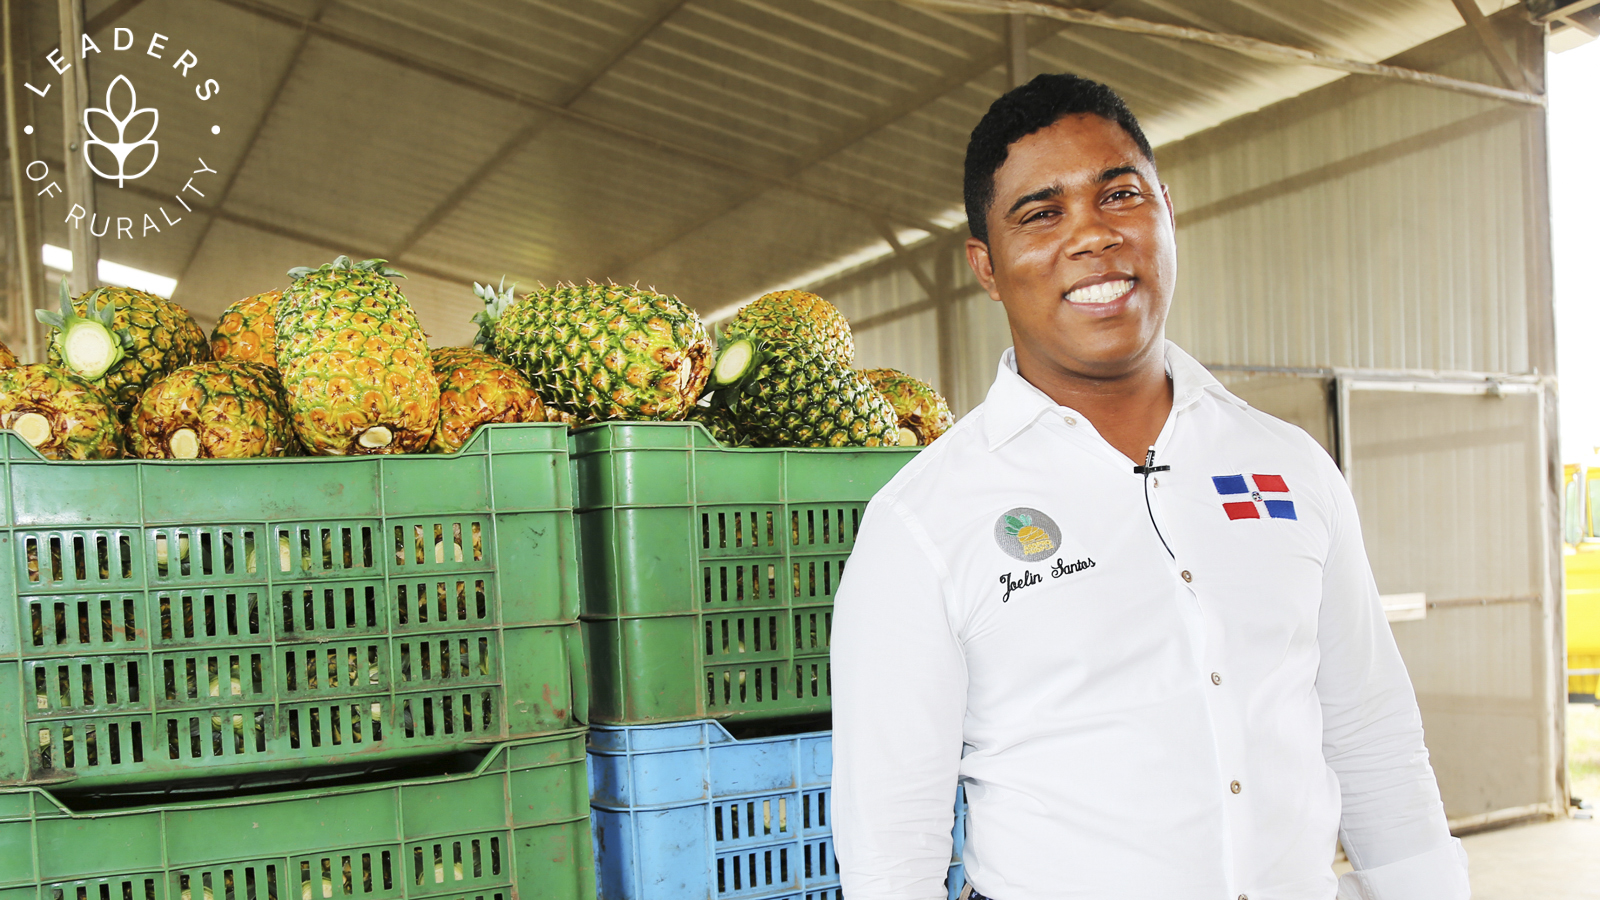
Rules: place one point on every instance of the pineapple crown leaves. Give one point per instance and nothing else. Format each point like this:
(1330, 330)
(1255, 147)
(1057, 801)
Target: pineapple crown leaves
(1015, 524)
(343, 263)
(495, 300)
(105, 315)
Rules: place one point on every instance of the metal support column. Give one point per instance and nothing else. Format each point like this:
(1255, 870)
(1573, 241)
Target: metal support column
(80, 182)
(944, 312)
(1017, 49)
(30, 275)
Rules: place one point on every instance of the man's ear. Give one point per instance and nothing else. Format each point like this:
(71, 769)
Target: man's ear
(982, 266)
(1171, 215)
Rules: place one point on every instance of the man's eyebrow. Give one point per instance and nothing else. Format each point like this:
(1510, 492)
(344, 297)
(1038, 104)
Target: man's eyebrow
(1046, 193)
(1056, 190)
(1118, 172)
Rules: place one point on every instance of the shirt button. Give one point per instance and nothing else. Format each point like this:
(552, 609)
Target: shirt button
(1235, 787)
(1069, 420)
(1243, 897)
(1216, 678)
(1187, 577)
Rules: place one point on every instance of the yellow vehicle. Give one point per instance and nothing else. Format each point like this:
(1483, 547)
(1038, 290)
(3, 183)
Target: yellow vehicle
(1581, 552)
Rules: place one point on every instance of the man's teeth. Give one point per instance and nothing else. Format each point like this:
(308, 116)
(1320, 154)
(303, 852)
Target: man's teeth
(1104, 292)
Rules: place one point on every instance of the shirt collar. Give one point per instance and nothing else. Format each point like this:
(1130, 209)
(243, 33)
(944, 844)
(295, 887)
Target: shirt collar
(1013, 403)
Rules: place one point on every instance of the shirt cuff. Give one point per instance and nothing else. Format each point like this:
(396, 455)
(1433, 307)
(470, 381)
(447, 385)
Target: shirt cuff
(1436, 875)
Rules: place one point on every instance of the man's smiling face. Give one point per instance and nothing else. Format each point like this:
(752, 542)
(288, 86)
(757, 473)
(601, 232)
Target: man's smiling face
(1081, 251)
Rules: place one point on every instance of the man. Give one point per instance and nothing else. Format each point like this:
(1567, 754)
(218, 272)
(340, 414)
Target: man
(1130, 614)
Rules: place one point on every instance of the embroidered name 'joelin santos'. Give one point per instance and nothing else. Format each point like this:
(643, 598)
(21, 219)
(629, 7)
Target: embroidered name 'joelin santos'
(1011, 582)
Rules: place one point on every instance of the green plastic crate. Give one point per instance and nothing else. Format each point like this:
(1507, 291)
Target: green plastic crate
(249, 619)
(709, 572)
(515, 827)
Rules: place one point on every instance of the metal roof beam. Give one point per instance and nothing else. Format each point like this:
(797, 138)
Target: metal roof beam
(527, 135)
(1510, 72)
(371, 47)
(953, 81)
(907, 261)
(1565, 13)
(1252, 47)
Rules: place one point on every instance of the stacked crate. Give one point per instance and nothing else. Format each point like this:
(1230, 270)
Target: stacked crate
(191, 644)
(708, 581)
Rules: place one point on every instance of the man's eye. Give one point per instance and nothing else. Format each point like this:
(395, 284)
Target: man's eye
(1038, 215)
(1124, 195)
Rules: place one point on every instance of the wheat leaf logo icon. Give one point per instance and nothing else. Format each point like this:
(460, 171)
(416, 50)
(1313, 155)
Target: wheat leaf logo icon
(121, 96)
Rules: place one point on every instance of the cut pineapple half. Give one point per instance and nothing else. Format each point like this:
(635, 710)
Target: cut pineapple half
(89, 348)
(376, 438)
(33, 427)
(184, 444)
(88, 344)
(734, 363)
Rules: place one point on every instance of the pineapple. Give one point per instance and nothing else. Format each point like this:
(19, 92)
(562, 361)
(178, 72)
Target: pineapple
(8, 360)
(721, 423)
(123, 339)
(786, 392)
(923, 414)
(1032, 538)
(605, 351)
(355, 363)
(476, 389)
(797, 315)
(213, 410)
(61, 415)
(248, 331)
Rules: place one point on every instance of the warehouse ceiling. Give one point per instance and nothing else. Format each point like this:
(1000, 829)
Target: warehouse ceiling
(711, 148)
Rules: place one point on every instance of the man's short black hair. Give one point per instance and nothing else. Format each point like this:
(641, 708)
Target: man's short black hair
(1020, 112)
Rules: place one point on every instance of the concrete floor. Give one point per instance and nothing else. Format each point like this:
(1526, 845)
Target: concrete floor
(1557, 860)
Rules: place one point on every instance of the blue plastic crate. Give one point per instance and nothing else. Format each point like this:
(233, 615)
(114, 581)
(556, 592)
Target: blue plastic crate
(685, 812)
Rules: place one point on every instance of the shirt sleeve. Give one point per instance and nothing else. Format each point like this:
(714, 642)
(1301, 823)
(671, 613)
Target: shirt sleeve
(1393, 826)
(899, 697)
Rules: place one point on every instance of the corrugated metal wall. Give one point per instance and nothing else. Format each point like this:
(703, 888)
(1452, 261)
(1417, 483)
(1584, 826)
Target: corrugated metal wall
(1366, 225)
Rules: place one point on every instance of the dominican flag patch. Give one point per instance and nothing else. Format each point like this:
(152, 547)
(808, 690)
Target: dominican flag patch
(1254, 496)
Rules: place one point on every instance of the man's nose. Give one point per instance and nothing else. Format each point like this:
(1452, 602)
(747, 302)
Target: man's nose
(1091, 236)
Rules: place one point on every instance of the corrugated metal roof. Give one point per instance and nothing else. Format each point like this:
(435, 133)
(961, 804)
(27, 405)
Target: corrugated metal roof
(711, 147)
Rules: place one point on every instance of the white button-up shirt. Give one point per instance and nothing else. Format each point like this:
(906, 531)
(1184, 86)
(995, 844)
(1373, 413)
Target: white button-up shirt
(1175, 685)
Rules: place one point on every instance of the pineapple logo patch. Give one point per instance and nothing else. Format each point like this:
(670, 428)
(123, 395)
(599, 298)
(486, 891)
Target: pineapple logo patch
(1027, 534)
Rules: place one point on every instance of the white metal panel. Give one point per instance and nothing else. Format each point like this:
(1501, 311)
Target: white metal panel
(1450, 487)
(1302, 400)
